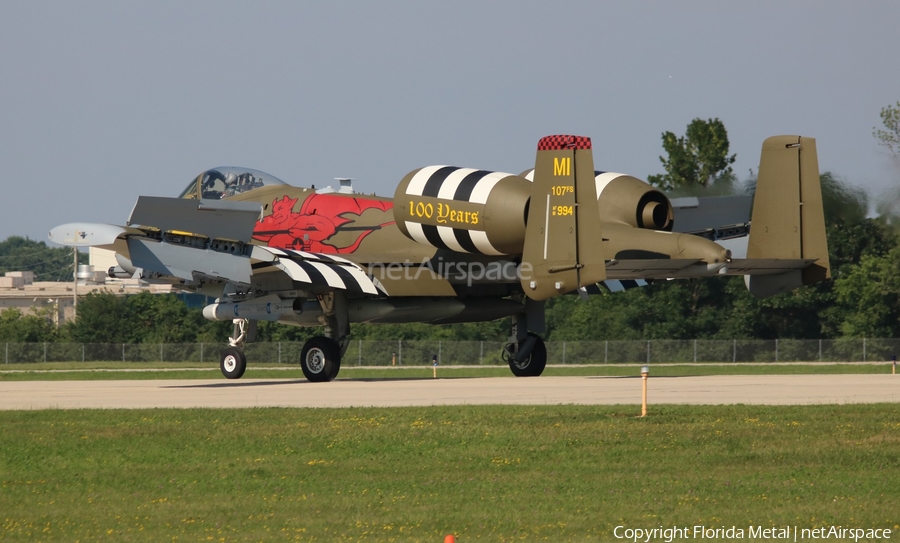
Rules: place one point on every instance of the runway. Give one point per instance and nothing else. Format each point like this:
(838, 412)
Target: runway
(221, 393)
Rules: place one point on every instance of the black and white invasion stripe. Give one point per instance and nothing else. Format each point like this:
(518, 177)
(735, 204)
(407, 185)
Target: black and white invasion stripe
(322, 270)
(455, 184)
(618, 285)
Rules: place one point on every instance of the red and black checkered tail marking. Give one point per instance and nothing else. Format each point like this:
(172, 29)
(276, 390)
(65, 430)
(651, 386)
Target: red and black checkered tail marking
(562, 142)
(563, 237)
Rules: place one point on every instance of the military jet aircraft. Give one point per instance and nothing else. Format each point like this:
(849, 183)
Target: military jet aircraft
(452, 245)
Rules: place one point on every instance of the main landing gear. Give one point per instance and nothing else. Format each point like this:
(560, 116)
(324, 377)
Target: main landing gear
(526, 353)
(320, 358)
(526, 358)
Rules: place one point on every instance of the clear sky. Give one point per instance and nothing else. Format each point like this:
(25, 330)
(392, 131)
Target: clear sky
(103, 101)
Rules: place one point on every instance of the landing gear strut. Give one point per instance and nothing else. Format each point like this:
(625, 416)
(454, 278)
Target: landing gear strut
(320, 358)
(526, 353)
(233, 361)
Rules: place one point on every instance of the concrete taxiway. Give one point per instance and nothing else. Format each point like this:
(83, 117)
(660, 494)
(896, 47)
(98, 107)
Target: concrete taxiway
(221, 393)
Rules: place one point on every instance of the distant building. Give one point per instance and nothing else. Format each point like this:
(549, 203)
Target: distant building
(19, 290)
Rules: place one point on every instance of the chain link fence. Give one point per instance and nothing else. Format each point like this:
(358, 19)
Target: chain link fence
(423, 352)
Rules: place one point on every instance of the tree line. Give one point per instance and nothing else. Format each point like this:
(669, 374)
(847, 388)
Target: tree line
(862, 298)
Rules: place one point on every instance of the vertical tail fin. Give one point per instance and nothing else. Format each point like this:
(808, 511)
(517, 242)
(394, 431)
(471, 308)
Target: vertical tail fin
(563, 235)
(788, 221)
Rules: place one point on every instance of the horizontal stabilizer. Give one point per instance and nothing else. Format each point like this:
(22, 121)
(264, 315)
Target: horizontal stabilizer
(763, 266)
(215, 219)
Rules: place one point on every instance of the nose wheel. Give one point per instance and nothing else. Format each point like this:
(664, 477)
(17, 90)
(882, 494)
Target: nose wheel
(233, 363)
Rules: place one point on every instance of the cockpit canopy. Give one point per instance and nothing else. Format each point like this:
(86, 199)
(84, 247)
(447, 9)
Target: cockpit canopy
(226, 182)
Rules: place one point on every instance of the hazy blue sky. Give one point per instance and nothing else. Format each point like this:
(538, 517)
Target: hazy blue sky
(102, 102)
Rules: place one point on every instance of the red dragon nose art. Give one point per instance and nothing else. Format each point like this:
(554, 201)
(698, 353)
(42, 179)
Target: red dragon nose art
(320, 217)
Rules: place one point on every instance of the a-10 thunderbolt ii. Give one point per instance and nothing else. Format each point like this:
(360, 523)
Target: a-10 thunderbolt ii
(453, 245)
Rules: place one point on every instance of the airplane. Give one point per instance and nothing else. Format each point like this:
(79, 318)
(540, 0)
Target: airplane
(452, 245)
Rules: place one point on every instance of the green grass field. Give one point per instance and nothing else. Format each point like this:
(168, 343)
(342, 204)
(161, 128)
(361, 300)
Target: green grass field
(485, 473)
(173, 370)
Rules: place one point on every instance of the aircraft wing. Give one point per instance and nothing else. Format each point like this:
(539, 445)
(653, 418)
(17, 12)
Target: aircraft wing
(192, 242)
(319, 270)
(214, 219)
(691, 268)
(81, 234)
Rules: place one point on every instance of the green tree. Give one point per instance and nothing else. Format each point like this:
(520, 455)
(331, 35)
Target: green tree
(161, 318)
(273, 331)
(889, 136)
(870, 296)
(663, 310)
(102, 318)
(47, 263)
(842, 201)
(471, 331)
(888, 205)
(696, 160)
(20, 328)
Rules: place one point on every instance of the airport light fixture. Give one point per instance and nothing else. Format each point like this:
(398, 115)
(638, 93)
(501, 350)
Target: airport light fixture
(645, 372)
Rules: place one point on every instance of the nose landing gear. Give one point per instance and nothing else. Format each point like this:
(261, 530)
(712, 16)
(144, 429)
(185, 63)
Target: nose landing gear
(233, 363)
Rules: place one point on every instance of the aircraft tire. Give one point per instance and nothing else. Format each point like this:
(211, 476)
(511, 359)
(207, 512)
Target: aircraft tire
(233, 363)
(320, 359)
(335, 367)
(536, 362)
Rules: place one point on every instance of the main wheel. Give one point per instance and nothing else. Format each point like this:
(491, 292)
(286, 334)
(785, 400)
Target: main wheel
(335, 367)
(233, 363)
(534, 364)
(320, 359)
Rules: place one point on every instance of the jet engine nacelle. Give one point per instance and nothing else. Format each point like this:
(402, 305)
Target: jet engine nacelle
(463, 210)
(481, 212)
(627, 200)
(630, 201)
